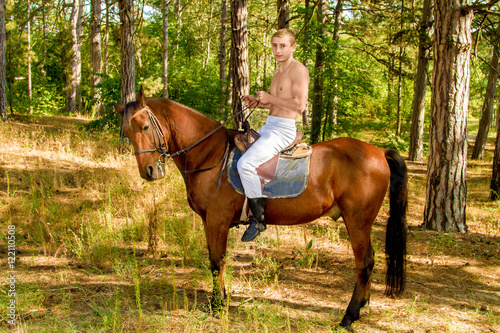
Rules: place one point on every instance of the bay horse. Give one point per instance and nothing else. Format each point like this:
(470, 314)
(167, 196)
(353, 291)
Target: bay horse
(347, 178)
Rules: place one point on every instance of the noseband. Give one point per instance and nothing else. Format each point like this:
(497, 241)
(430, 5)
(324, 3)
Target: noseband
(158, 136)
(159, 142)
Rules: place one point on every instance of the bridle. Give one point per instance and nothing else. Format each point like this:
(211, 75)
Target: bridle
(161, 145)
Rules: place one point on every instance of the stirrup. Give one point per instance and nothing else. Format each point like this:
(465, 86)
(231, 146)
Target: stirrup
(253, 230)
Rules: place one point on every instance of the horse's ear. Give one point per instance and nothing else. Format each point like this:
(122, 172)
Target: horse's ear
(119, 108)
(141, 99)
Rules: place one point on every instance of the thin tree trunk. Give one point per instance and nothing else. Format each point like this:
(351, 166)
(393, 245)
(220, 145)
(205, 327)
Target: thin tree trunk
(305, 47)
(165, 48)
(30, 88)
(446, 181)
(416, 152)
(239, 58)
(3, 51)
(283, 13)
(222, 54)
(178, 16)
(495, 179)
(74, 101)
(95, 55)
(106, 40)
(127, 51)
(44, 40)
(336, 36)
(487, 109)
(400, 93)
(319, 69)
(400, 74)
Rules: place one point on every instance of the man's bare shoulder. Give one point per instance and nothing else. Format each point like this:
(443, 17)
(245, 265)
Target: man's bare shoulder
(299, 70)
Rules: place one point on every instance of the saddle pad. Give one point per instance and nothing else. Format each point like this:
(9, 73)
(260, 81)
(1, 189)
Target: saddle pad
(289, 182)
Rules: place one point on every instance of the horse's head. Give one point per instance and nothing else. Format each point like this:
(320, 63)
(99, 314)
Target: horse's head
(142, 128)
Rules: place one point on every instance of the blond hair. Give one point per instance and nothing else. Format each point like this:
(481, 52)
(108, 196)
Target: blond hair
(281, 33)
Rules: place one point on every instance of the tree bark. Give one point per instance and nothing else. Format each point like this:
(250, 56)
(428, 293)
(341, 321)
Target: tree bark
(283, 13)
(319, 69)
(44, 40)
(30, 88)
(222, 54)
(416, 152)
(489, 99)
(106, 40)
(3, 51)
(336, 36)
(446, 171)
(305, 47)
(127, 51)
(165, 48)
(495, 179)
(74, 101)
(239, 58)
(95, 56)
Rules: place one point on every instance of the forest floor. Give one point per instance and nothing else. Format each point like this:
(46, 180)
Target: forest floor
(82, 219)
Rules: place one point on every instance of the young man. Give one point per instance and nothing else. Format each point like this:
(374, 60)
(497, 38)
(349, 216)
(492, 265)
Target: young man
(287, 99)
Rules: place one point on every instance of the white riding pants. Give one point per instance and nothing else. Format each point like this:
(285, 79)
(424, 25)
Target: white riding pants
(276, 134)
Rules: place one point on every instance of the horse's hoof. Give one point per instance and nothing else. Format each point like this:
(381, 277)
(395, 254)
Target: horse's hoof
(217, 306)
(347, 328)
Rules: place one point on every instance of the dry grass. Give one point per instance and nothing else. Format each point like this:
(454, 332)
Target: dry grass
(82, 217)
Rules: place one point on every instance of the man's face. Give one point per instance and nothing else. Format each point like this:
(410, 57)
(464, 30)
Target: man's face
(282, 49)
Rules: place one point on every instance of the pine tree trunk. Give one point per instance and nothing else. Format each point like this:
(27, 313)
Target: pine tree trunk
(106, 40)
(95, 55)
(400, 74)
(44, 40)
(446, 171)
(178, 15)
(222, 54)
(489, 99)
(283, 13)
(336, 36)
(74, 101)
(305, 47)
(3, 51)
(495, 179)
(165, 49)
(416, 152)
(319, 69)
(239, 58)
(127, 51)
(30, 88)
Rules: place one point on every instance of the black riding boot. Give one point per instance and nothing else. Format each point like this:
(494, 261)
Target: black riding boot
(257, 224)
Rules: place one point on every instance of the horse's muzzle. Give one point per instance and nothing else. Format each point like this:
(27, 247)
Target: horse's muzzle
(154, 171)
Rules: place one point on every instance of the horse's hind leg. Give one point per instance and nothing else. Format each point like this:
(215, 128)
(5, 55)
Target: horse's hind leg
(363, 254)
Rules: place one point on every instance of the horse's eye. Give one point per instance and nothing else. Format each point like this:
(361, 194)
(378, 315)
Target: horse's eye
(146, 127)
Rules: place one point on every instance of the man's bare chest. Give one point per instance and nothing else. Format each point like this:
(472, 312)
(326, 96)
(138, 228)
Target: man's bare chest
(281, 85)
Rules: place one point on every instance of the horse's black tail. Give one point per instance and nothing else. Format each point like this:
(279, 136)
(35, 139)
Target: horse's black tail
(395, 243)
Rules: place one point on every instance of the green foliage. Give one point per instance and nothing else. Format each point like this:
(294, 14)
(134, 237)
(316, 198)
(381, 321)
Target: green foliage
(392, 141)
(360, 78)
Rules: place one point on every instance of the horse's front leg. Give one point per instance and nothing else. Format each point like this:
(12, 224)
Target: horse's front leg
(216, 231)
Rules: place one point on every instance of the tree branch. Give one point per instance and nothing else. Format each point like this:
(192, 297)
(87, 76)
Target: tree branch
(308, 20)
(479, 6)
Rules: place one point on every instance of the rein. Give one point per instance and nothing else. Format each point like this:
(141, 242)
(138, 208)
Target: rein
(161, 145)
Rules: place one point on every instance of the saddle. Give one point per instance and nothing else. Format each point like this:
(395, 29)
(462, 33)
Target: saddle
(267, 171)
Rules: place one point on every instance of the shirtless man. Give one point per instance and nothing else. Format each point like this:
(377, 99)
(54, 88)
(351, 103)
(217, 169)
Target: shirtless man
(287, 99)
